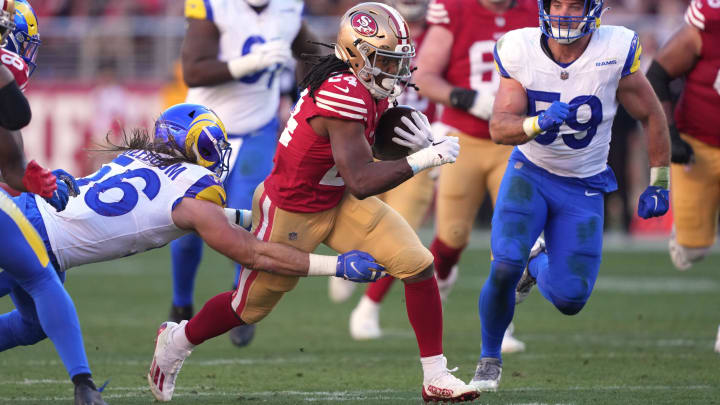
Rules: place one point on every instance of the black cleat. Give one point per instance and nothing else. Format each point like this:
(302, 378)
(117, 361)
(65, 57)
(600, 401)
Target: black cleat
(87, 395)
(242, 335)
(178, 314)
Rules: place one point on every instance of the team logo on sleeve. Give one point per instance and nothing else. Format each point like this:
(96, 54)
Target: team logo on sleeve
(364, 24)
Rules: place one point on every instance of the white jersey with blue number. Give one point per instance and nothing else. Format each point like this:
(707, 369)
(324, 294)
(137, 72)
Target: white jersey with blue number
(589, 84)
(250, 102)
(125, 208)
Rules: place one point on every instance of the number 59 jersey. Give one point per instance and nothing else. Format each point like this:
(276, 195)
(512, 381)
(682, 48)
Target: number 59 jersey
(125, 208)
(252, 101)
(589, 84)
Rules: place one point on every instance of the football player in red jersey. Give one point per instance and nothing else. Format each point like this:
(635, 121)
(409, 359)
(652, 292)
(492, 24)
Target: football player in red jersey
(695, 169)
(321, 188)
(411, 199)
(456, 69)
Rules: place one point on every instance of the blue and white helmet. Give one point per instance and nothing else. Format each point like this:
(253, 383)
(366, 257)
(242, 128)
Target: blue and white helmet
(24, 39)
(197, 132)
(563, 30)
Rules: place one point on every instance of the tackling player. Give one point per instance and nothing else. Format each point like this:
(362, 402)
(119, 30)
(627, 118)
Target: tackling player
(695, 157)
(320, 191)
(560, 88)
(232, 55)
(23, 259)
(169, 186)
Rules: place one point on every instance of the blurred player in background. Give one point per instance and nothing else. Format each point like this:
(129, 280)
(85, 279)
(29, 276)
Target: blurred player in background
(694, 131)
(23, 259)
(456, 69)
(306, 201)
(231, 57)
(560, 88)
(168, 181)
(410, 199)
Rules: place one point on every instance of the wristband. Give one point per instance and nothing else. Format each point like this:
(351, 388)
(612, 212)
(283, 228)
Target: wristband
(321, 265)
(462, 98)
(660, 177)
(531, 128)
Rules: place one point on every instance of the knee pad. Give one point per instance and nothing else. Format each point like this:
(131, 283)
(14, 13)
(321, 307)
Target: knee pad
(684, 257)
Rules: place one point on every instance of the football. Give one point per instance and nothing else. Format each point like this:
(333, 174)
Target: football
(384, 148)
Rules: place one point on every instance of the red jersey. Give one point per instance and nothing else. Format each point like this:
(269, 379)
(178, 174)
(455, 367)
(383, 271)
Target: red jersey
(17, 66)
(305, 177)
(411, 97)
(698, 110)
(471, 65)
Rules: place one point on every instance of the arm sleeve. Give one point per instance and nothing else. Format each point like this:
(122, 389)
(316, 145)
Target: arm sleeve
(208, 188)
(632, 62)
(199, 9)
(332, 100)
(14, 108)
(438, 13)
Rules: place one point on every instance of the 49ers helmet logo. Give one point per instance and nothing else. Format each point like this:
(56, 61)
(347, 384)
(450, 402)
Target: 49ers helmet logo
(364, 24)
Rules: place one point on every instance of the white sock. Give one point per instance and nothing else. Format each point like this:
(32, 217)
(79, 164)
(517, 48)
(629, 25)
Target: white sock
(367, 305)
(179, 339)
(433, 366)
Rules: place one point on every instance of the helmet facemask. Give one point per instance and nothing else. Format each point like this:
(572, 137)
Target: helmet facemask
(567, 29)
(385, 73)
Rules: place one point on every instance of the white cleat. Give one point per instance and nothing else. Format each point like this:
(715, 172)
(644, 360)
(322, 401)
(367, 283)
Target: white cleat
(526, 283)
(717, 341)
(340, 290)
(365, 320)
(166, 363)
(445, 387)
(487, 375)
(445, 286)
(510, 344)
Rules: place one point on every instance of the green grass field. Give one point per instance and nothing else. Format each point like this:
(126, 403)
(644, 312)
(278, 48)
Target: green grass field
(645, 337)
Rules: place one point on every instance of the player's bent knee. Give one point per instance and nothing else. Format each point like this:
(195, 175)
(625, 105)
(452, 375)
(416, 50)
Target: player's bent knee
(569, 307)
(410, 261)
(261, 296)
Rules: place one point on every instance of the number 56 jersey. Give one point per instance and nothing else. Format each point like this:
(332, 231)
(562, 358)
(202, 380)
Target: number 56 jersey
(125, 208)
(589, 84)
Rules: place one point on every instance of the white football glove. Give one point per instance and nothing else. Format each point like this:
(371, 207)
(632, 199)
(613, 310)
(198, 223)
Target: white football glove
(261, 56)
(420, 135)
(483, 105)
(440, 152)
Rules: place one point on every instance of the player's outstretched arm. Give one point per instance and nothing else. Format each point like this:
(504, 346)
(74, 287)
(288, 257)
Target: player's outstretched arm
(675, 59)
(211, 223)
(12, 158)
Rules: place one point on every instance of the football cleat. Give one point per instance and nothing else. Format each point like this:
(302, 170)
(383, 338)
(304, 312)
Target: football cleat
(87, 395)
(365, 320)
(510, 344)
(166, 363)
(487, 375)
(182, 313)
(445, 387)
(242, 335)
(340, 290)
(526, 283)
(446, 285)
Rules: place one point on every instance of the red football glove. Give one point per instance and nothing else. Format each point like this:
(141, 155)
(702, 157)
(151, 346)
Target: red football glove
(39, 181)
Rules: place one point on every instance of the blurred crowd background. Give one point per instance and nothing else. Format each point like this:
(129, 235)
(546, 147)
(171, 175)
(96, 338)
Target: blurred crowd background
(112, 64)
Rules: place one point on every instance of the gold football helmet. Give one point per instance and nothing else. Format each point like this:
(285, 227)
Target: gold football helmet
(7, 19)
(374, 40)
